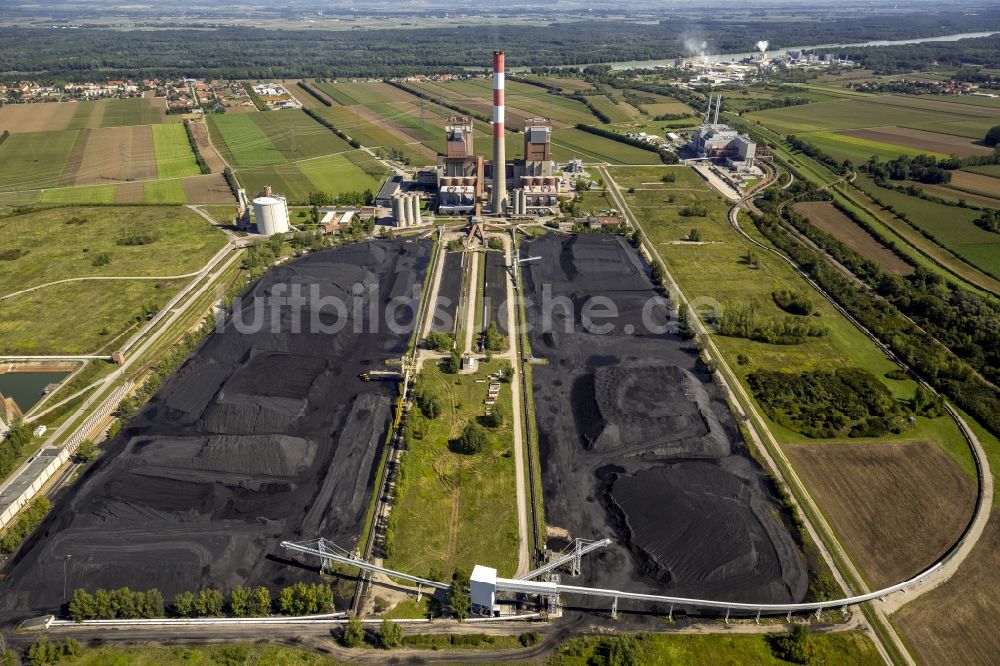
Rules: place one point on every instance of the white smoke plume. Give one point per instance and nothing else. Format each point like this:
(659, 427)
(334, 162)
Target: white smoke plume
(762, 45)
(695, 46)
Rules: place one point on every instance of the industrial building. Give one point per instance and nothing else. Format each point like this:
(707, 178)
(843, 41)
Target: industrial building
(720, 143)
(466, 182)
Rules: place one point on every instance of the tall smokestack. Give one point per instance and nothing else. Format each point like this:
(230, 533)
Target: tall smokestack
(718, 105)
(499, 144)
(708, 113)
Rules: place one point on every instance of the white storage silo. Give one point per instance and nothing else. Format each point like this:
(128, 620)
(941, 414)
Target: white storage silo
(271, 214)
(414, 202)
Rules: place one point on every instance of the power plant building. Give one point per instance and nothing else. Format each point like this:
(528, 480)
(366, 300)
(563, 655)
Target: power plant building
(717, 141)
(465, 182)
(460, 170)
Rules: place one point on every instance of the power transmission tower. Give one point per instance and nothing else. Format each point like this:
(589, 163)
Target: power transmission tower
(291, 130)
(422, 113)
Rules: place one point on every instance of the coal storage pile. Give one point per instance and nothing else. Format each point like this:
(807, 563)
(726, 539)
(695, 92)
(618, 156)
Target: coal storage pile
(637, 443)
(266, 433)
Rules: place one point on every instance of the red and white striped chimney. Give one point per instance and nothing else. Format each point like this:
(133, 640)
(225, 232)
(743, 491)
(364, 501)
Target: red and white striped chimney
(499, 203)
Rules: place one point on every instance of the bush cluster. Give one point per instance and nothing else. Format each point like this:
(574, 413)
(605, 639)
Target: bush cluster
(844, 402)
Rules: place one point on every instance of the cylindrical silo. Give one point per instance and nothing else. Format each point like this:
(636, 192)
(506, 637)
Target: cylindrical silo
(271, 214)
(397, 210)
(415, 209)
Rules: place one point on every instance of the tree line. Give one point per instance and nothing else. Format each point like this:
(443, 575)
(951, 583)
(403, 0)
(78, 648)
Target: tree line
(124, 603)
(52, 55)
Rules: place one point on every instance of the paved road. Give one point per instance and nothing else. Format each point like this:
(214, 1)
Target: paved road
(97, 277)
(513, 356)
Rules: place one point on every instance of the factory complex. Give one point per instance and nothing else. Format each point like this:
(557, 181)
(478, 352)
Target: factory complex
(721, 144)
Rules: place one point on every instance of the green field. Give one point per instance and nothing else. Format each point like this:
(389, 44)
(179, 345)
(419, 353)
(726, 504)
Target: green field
(423, 121)
(622, 112)
(733, 280)
(444, 498)
(77, 317)
(58, 247)
(858, 150)
(174, 157)
(102, 194)
(170, 192)
(36, 159)
(366, 131)
(134, 111)
(568, 143)
(950, 226)
(987, 170)
(261, 139)
(852, 648)
(348, 172)
(119, 112)
(85, 315)
(957, 119)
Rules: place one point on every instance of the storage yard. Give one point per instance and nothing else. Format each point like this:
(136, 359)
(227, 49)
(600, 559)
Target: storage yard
(227, 459)
(631, 423)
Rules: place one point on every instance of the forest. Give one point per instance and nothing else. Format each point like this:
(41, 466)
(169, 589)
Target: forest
(53, 55)
(981, 51)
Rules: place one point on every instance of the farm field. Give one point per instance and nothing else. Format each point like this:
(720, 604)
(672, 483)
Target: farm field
(379, 115)
(826, 217)
(975, 183)
(166, 192)
(48, 116)
(174, 157)
(622, 112)
(35, 160)
(206, 189)
(56, 116)
(261, 139)
(961, 120)
(87, 194)
(568, 85)
(660, 104)
(897, 507)
(568, 143)
(722, 255)
(945, 625)
(986, 170)
(956, 195)
(445, 498)
(62, 243)
(922, 141)
(950, 226)
(41, 160)
(347, 172)
(134, 111)
(208, 152)
(114, 154)
(858, 147)
(211, 188)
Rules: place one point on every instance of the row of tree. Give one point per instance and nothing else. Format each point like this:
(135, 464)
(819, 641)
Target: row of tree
(12, 446)
(123, 603)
